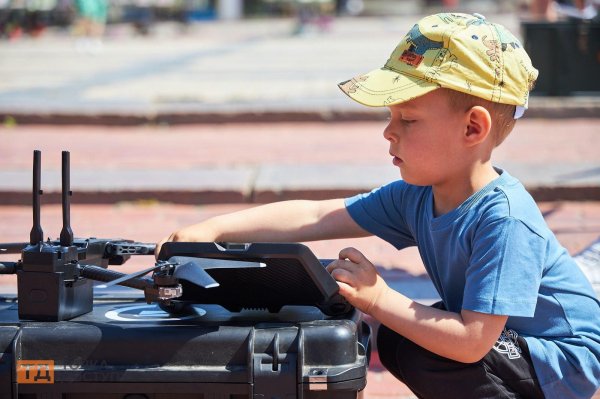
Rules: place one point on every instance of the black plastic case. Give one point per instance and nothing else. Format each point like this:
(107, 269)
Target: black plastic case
(129, 349)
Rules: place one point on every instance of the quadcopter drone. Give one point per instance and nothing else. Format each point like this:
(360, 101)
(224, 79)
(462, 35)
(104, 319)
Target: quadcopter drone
(55, 278)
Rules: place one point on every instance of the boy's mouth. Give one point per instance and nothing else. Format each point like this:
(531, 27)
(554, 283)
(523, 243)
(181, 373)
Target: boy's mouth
(397, 161)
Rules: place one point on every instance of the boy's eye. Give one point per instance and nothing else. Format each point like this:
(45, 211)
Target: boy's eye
(408, 121)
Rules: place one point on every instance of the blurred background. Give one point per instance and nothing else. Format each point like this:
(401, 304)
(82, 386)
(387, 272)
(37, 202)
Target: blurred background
(43, 13)
(178, 110)
(33, 17)
(69, 56)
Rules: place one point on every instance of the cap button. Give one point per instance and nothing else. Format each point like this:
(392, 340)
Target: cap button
(478, 15)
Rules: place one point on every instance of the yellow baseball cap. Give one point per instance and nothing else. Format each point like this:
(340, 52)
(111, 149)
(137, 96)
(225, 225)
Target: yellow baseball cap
(457, 51)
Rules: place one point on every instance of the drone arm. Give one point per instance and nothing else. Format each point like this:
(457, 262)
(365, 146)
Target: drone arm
(122, 248)
(152, 293)
(106, 275)
(8, 267)
(12, 247)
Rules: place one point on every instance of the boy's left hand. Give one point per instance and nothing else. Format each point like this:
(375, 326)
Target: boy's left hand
(358, 279)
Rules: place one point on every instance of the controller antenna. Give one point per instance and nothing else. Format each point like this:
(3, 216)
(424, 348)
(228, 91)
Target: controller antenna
(37, 235)
(66, 234)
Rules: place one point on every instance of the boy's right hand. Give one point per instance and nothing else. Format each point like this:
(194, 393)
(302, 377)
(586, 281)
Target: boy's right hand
(187, 234)
(160, 244)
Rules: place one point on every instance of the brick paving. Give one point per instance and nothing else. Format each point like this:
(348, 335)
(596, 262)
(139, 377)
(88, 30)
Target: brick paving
(539, 141)
(266, 162)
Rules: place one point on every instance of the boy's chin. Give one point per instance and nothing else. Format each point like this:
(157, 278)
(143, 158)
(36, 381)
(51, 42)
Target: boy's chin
(412, 180)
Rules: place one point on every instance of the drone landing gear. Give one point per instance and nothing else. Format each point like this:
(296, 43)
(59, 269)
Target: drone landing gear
(177, 308)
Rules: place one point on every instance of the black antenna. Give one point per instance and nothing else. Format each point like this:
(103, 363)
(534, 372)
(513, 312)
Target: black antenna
(66, 234)
(37, 235)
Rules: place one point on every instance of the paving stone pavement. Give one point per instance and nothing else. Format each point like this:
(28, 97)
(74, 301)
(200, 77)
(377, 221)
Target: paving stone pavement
(252, 162)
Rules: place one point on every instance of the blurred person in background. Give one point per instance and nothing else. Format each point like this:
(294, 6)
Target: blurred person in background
(318, 13)
(24, 17)
(90, 24)
(349, 7)
(553, 10)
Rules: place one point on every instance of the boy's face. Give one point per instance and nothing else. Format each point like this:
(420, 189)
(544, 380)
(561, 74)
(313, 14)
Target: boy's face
(425, 139)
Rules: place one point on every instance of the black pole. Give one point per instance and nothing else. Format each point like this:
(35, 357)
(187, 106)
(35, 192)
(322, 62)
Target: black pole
(37, 235)
(66, 234)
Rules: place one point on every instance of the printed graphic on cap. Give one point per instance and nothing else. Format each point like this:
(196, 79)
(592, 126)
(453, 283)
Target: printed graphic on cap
(506, 38)
(350, 86)
(419, 44)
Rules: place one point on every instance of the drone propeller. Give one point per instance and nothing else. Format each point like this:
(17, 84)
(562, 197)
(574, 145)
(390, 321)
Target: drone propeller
(190, 269)
(194, 269)
(191, 272)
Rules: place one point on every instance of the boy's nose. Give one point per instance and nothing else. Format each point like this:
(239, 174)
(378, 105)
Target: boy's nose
(389, 135)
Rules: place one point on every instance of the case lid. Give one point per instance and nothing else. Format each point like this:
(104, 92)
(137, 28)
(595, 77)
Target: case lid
(291, 275)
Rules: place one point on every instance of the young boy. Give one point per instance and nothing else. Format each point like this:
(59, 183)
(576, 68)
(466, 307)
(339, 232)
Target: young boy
(517, 317)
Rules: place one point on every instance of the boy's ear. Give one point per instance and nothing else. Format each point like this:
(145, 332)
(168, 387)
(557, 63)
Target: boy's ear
(479, 125)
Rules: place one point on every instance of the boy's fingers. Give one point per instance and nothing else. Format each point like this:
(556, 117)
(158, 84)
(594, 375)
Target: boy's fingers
(158, 247)
(340, 264)
(352, 254)
(345, 289)
(331, 266)
(334, 265)
(160, 244)
(343, 276)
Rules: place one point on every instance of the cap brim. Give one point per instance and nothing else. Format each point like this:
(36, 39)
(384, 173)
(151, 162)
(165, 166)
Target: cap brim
(384, 87)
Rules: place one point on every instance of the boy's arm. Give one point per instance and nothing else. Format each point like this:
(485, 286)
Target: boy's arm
(287, 221)
(465, 337)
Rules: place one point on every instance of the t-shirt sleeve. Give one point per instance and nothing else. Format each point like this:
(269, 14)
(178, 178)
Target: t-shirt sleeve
(380, 212)
(505, 270)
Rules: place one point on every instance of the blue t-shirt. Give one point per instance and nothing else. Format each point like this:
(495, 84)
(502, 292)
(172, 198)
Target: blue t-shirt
(495, 254)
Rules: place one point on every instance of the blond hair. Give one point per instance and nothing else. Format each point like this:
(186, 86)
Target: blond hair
(503, 120)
